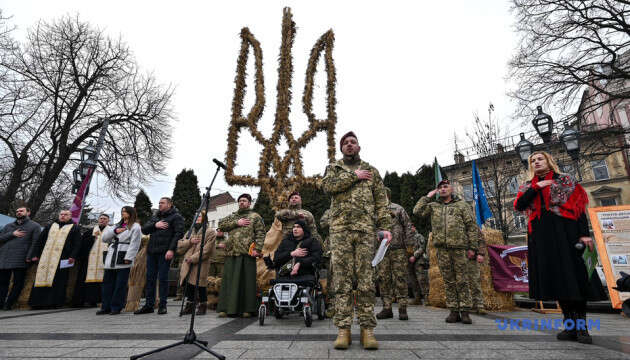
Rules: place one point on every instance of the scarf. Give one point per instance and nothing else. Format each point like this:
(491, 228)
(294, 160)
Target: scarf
(564, 197)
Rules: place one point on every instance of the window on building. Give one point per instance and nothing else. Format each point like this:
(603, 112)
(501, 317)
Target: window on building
(600, 170)
(468, 192)
(513, 185)
(608, 201)
(489, 188)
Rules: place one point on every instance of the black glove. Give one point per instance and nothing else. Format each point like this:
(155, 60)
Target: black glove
(268, 262)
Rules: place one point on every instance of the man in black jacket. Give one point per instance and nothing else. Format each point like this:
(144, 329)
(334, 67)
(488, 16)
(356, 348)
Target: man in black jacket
(165, 228)
(17, 240)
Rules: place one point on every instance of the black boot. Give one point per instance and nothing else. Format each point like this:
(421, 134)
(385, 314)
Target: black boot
(567, 313)
(144, 310)
(188, 308)
(386, 313)
(583, 337)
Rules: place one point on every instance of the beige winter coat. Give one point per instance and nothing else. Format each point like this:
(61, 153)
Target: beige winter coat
(191, 251)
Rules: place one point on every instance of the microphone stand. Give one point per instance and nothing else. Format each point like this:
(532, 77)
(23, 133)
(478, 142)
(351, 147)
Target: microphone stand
(191, 337)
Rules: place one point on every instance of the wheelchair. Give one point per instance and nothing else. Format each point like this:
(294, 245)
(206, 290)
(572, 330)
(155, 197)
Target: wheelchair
(297, 294)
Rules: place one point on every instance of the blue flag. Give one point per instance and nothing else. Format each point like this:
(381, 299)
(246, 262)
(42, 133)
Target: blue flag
(482, 210)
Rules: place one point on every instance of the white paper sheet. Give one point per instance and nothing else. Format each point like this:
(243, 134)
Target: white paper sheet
(380, 253)
(63, 264)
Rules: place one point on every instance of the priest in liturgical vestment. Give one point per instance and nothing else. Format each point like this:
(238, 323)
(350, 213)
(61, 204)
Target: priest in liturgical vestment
(58, 244)
(90, 263)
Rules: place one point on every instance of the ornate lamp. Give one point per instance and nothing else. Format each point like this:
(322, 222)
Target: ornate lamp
(543, 124)
(524, 149)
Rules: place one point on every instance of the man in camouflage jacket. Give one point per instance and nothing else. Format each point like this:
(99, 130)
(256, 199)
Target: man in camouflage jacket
(358, 210)
(289, 216)
(455, 238)
(392, 270)
(238, 285)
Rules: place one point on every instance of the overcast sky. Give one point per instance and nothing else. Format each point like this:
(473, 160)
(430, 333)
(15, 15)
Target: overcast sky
(410, 74)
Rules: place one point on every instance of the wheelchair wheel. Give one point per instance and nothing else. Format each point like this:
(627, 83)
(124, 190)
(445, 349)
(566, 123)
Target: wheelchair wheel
(308, 316)
(320, 307)
(262, 312)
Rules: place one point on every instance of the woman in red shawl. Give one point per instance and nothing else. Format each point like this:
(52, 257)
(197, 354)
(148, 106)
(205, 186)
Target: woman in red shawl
(556, 206)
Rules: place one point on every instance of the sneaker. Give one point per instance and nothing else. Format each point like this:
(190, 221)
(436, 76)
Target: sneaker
(115, 312)
(162, 310)
(102, 312)
(144, 310)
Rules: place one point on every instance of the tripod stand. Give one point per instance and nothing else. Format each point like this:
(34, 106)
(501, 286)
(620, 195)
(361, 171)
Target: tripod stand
(191, 337)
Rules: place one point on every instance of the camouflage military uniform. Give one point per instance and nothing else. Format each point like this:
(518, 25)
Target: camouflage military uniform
(326, 263)
(419, 270)
(357, 211)
(474, 277)
(289, 216)
(454, 232)
(392, 271)
(217, 259)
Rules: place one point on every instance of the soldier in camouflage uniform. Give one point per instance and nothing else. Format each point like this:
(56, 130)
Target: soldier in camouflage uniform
(358, 210)
(238, 285)
(455, 238)
(418, 268)
(289, 216)
(474, 277)
(392, 270)
(327, 264)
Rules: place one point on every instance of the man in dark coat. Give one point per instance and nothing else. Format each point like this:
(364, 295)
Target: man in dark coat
(299, 248)
(84, 291)
(17, 240)
(58, 245)
(165, 228)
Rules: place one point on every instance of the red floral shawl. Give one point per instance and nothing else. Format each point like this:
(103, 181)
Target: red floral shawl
(565, 197)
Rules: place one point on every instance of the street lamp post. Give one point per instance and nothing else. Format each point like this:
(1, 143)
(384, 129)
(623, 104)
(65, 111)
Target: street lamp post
(524, 149)
(570, 138)
(543, 124)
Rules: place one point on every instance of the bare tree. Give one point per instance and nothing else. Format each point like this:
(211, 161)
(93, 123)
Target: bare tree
(566, 46)
(497, 170)
(60, 85)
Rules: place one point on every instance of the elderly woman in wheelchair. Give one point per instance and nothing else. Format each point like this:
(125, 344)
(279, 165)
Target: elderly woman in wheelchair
(296, 287)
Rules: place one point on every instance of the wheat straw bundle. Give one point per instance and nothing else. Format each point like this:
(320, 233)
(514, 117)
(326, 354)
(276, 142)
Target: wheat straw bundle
(137, 277)
(272, 241)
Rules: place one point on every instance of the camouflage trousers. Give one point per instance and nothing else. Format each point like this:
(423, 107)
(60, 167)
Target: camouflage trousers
(330, 287)
(453, 265)
(418, 273)
(352, 253)
(392, 276)
(474, 279)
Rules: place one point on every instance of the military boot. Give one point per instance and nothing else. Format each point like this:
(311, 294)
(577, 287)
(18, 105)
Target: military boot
(368, 340)
(402, 313)
(466, 318)
(202, 308)
(453, 317)
(188, 308)
(386, 313)
(344, 339)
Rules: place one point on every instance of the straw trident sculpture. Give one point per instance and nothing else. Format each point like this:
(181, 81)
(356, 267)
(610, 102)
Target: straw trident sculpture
(277, 184)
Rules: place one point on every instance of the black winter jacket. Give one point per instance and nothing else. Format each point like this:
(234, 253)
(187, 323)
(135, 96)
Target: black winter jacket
(162, 240)
(308, 263)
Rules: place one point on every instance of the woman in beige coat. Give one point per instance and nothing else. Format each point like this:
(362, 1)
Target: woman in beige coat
(188, 272)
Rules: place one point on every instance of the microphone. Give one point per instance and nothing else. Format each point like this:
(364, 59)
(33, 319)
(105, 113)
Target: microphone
(219, 164)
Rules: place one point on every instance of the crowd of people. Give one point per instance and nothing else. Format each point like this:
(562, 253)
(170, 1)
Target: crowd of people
(360, 214)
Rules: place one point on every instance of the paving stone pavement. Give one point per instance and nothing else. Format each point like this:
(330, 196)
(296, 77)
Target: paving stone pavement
(79, 334)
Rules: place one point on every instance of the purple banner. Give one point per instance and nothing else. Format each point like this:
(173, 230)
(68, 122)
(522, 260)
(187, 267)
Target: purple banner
(77, 204)
(509, 268)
